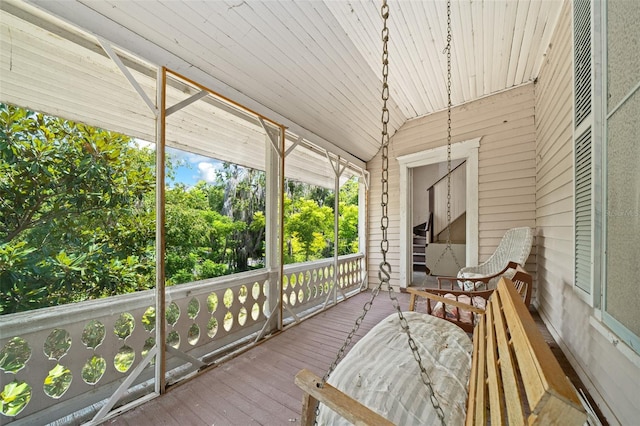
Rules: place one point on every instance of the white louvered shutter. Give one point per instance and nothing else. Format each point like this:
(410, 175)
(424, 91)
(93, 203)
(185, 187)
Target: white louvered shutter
(587, 141)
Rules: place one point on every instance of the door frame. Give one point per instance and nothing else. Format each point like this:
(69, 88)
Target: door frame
(467, 150)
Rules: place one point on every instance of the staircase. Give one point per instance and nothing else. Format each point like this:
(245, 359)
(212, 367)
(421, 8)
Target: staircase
(419, 248)
(421, 237)
(432, 230)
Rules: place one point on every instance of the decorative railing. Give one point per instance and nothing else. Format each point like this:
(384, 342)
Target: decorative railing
(61, 360)
(311, 284)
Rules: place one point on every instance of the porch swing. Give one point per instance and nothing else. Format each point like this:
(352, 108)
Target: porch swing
(507, 375)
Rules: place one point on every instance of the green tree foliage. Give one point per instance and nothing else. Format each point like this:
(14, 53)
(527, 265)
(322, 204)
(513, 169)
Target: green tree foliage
(348, 224)
(244, 197)
(309, 222)
(204, 243)
(77, 216)
(74, 218)
(348, 229)
(309, 227)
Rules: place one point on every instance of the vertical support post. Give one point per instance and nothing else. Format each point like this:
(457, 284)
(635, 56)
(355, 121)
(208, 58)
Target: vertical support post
(338, 170)
(336, 229)
(160, 384)
(362, 222)
(281, 221)
(273, 216)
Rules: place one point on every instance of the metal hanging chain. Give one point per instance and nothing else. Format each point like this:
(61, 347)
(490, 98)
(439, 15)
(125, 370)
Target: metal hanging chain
(385, 267)
(384, 272)
(447, 50)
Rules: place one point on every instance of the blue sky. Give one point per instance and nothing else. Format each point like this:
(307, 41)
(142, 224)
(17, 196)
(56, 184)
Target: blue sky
(192, 167)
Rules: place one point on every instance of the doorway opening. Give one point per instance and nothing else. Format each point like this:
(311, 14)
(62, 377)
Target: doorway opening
(421, 206)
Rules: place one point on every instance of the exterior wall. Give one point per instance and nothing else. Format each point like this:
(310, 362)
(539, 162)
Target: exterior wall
(612, 378)
(506, 169)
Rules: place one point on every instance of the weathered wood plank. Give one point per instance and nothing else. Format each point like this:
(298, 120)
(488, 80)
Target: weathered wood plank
(309, 405)
(339, 402)
(512, 397)
(494, 381)
(539, 369)
(475, 378)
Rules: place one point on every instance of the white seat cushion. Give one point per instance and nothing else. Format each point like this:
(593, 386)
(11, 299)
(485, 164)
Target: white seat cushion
(381, 373)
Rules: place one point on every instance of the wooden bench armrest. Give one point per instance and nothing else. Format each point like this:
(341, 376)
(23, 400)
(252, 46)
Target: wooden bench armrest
(453, 281)
(439, 297)
(523, 283)
(341, 403)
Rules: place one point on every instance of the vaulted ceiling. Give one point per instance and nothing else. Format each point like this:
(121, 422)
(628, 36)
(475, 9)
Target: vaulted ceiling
(315, 65)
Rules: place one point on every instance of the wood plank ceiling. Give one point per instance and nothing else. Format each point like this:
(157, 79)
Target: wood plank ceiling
(315, 65)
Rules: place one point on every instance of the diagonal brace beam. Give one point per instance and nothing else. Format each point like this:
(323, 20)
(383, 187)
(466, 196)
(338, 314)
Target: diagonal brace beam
(275, 140)
(191, 99)
(293, 146)
(125, 385)
(115, 58)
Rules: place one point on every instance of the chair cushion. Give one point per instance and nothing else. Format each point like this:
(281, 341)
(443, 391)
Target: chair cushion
(451, 312)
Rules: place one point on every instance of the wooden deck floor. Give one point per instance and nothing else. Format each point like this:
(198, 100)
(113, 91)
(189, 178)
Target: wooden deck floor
(257, 387)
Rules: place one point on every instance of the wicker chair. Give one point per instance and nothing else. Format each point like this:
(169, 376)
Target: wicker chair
(513, 250)
(474, 284)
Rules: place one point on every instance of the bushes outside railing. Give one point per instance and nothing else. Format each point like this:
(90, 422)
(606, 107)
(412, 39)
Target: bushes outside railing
(59, 360)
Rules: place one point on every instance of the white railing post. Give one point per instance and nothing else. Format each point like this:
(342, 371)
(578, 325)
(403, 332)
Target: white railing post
(273, 217)
(160, 382)
(338, 169)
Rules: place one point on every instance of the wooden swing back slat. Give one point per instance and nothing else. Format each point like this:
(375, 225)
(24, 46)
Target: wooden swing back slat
(513, 399)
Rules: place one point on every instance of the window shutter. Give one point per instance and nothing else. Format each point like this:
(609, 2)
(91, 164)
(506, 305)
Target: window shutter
(586, 137)
(582, 59)
(583, 211)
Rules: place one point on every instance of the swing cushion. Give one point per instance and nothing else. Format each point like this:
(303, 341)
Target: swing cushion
(470, 285)
(380, 372)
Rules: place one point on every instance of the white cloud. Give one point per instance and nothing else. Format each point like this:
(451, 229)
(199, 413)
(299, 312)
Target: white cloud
(207, 171)
(187, 157)
(192, 158)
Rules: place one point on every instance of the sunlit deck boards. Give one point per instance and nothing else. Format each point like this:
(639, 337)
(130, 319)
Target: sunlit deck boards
(257, 387)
